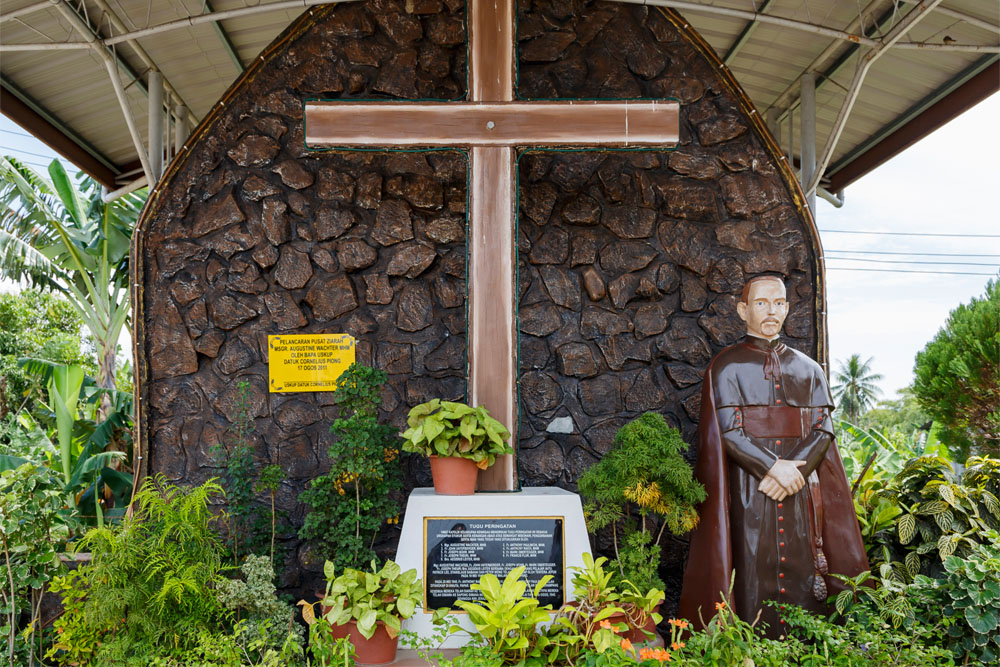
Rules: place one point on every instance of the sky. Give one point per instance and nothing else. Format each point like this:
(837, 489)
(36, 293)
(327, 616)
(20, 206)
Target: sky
(945, 184)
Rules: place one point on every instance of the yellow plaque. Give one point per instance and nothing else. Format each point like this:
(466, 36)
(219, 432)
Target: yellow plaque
(308, 362)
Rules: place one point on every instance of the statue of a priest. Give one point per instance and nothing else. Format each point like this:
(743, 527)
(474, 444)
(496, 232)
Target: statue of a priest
(779, 511)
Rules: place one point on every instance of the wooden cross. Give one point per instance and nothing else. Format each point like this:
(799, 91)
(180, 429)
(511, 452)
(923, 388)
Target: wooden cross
(491, 125)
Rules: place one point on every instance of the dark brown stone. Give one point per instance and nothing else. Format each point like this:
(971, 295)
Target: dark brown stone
(720, 129)
(209, 343)
(196, 318)
(325, 260)
(684, 341)
(377, 289)
(617, 350)
(446, 229)
(274, 220)
(401, 28)
(299, 204)
(422, 7)
(571, 172)
(171, 352)
(293, 269)
(295, 415)
(331, 297)
(625, 256)
(293, 174)
(544, 465)
(349, 21)
(235, 356)
(540, 319)
(335, 185)
(358, 324)
(647, 288)
(214, 271)
(702, 167)
(392, 222)
(414, 309)
(563, 287)
(683, 375)
(688, 245)
(551, 248)
(601, 395)
(651, 320)
(423, 389)
(576, 359)
(629, 222)
(256, 188)
(186, 287)
(245, 277)
(668, 278)
(265, 255)
(693, 293)
(453, 263)
(173, 256)
(534, 352)
(692, 405)
(423, 192)
(331, 223)
(411, 260)
(271, 126)
(446, 30)
(537, 201)
(254, 150)
(597, 322)
(540, 392)
(594, 284)
(394, 357)
(690, 199)
(684, 89)
(450, 293)
(583, 250)
(228, 242)
(726, 276)
(737, 235)
(623, 289)
(546, 48)
(227, 313)
(449, 355)
(369, 190)
(644, 393)
(721, 321)
(355, 254)
(285, 313)
(747, 194)
(399, 77)
(583, 210)
(216, 214)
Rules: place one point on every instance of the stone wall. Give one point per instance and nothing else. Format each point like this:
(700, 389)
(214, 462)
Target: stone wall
(251, 234)
(630, 263)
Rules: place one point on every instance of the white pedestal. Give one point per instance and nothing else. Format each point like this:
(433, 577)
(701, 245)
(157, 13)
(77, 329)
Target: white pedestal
(529, 502)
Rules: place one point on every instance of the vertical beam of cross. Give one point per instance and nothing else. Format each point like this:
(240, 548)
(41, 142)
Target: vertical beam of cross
(492, 321)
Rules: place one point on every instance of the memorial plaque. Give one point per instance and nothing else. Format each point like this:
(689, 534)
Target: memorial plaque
(459, 550)
(308, 362)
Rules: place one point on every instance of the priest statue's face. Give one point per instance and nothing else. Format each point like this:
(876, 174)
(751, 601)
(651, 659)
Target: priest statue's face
(765, 308)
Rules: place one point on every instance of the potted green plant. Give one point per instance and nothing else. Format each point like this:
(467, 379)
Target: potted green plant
(367, 607)
(641, 488)
(459, 440)
(595, 600)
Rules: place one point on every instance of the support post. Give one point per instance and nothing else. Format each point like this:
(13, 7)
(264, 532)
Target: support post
(807, 123)
(180, 129)
(155, 136)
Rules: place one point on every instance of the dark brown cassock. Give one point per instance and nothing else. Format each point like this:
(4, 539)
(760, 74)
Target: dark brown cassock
(762, 401)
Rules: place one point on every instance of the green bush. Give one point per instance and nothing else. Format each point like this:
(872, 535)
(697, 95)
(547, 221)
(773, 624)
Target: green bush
(958, 376)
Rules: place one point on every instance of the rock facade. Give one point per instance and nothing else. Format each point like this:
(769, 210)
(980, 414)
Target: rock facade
(631, 263)
(251, 234)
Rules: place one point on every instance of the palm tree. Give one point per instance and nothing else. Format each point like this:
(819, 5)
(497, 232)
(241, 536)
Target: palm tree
(58, 236)
(856, 387)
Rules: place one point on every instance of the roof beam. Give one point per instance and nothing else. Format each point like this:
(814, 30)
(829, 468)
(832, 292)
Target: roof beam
(41, 123)
(744, 35)
(227, 43)
(943, 105)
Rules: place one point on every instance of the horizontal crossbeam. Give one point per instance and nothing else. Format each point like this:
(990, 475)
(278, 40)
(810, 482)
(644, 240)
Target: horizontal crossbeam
(578, 123)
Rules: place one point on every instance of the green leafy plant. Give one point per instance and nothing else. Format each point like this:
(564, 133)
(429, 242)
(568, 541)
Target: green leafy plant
(150, 586)
(446, 428)
(357, 498)
(507, 619)
(33, 529)
(958, 376)
(642, 481)
(386, 595)
(327, 651)
(269, 481)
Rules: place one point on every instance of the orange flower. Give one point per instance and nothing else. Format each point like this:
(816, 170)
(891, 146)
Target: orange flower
(679, 623)
(626, 645)
(645, 654)
(719, 606)
(677, 645)
(606, 624)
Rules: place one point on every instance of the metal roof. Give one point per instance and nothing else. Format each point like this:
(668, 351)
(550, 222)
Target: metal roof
(924, 63)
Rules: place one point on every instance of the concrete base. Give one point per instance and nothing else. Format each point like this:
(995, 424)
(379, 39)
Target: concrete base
(540, 501)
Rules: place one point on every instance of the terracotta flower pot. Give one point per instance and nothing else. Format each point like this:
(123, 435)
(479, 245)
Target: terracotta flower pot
(637, 635)
(454, 476)
(379, 650)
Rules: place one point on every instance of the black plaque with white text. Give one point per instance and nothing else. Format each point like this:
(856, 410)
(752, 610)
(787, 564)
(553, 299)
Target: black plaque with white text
(459, 550)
